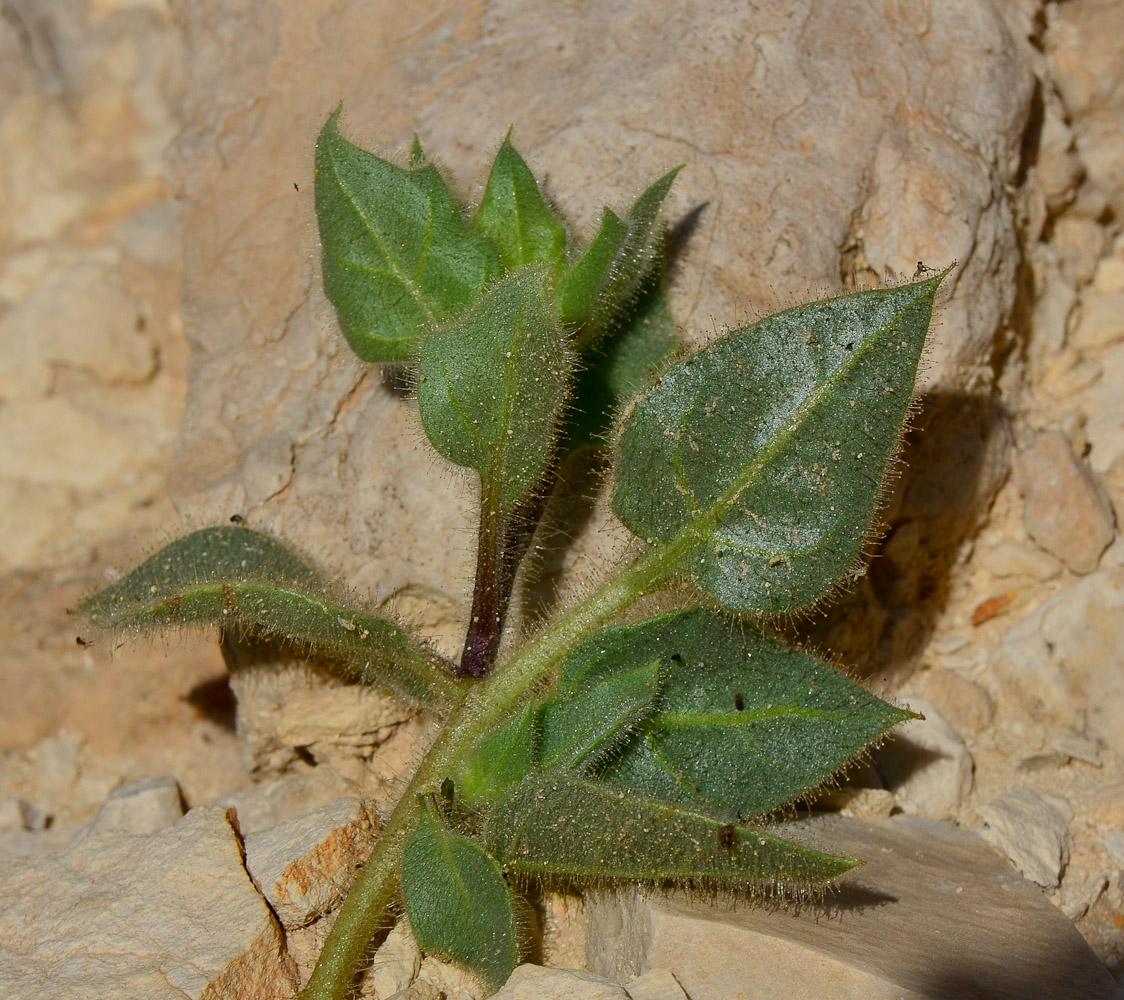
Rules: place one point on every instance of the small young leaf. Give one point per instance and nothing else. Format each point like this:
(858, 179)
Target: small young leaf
(513, 214)
(457, 900)
(579, 727)
(230, 575)
(619, 367)
(493, 383)
(745, 723)
(765, 453)
(396, 255)
(503, 757)
(566, 826)
(612, 271)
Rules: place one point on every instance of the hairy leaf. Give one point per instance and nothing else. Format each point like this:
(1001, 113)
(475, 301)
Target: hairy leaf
(745, 723)
(514, 216)
(566, 826)
(397, 257)
(493, 383)
(612, 271)
(502, 758)
(764, 454)
(457, 900)
(579, 725)
(231, 575)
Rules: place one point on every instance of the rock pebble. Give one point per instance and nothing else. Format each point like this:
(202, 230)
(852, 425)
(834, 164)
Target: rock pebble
(1067, 512)
(1031, 831)
(138, 807)
(926, 763)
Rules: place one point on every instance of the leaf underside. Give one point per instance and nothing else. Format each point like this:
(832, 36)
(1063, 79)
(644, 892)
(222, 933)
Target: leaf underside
(744, 724)
(769, 448)
(397, 257)
(234, 576)
(457, 900)
(571, 827)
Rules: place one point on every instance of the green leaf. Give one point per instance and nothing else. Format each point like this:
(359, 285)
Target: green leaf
(232, 575)
(763, 456)
(457, 900)
(502, 758)
(493, 383)
(567, 826)
(619, 367)
(397, 257)
(581, 724)
(611, 273)
(745, 723)
(514, 216)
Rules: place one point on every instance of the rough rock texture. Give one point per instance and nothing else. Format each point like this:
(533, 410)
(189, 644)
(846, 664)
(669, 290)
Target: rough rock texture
(304, 866)
(171, 915)
(1051, 661)
(1067, 511)
(935, 914)
(533, 982)
(1031, 832)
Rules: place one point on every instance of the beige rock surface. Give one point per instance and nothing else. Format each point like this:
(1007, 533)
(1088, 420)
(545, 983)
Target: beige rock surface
(304, 866)
(171, 915)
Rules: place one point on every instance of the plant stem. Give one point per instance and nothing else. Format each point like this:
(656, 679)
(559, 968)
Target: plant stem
(486, 705)
(490, 597)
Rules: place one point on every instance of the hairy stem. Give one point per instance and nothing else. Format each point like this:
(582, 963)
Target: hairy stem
(491, 595)
(487, 704)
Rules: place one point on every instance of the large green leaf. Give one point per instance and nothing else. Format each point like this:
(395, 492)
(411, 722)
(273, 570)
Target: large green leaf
(570, 827)
(457, 900)
(764, 454)
(581, 724)
(493, 383)
(514, 216)
(612, 271)
(233, 576)
(744, 723)
(397, 257)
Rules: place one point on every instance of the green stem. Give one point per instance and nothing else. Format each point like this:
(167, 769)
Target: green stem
(487, 704)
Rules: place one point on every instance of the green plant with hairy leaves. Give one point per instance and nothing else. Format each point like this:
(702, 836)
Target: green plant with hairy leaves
(608, 746)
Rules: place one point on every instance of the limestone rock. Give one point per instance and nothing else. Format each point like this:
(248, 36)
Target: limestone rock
(1067, 512)
(1102, 320)
(1085, 60)
(1051, 664)
(925, 763)
(1031, 832)
(1105, 424)
(161, 917)
(304, 866)
(658, 984)
(935, 914)
(533, 982)
(396, 963)
(139, 807)
(284, 708)
(812, 140)
(1010, 558)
